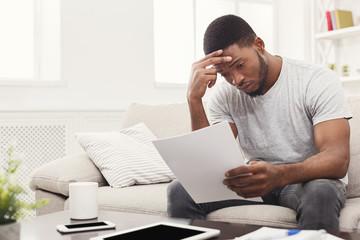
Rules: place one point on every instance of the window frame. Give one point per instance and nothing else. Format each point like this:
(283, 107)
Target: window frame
(36, 81)
(170, 85)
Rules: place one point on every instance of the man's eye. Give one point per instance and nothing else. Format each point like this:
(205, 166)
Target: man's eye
(240, 65)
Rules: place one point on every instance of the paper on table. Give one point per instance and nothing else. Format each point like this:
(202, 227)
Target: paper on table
(200, 160)
(302, 235)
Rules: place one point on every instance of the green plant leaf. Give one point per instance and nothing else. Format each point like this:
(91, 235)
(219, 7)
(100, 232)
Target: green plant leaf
(11, 207)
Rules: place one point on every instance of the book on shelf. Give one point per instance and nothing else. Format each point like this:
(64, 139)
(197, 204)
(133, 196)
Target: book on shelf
(333, 22)
(343, 18)
(339, 19)
(328, 18)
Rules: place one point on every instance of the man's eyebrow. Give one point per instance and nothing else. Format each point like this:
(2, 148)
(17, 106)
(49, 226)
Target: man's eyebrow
(237, 60)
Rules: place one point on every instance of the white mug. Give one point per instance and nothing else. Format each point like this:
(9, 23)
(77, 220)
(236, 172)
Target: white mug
(83, 200)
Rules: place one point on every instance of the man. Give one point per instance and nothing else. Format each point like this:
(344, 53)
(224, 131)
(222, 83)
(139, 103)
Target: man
(291, 119)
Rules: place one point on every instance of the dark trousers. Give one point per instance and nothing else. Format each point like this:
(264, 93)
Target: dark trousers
(317, 203)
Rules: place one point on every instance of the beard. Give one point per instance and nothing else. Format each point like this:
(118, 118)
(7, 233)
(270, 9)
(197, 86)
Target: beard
(262, 76)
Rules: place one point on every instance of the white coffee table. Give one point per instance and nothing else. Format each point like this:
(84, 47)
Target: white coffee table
(44, 227)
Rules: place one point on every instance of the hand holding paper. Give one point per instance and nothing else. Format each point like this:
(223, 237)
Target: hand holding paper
(248, 181)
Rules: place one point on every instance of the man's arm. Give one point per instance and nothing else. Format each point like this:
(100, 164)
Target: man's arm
(199, 119)
(201, 78)
(198, 116)
(333, 143)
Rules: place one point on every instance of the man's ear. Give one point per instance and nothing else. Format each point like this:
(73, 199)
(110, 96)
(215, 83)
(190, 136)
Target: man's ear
(259, 45)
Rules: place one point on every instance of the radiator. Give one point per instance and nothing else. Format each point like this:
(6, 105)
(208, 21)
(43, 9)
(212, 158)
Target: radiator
(43, 136)
(38, 144)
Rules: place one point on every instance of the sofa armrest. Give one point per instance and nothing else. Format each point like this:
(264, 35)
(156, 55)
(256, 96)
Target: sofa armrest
(56, 175)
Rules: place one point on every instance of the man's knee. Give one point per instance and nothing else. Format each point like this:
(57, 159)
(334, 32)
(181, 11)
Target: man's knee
(175, 191)
(326, 191)
(172, 190)
(180, 204)
(322, 200)
(178, 200)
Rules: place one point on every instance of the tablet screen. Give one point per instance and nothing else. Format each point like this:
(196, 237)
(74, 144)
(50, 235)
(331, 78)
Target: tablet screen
(157, 232)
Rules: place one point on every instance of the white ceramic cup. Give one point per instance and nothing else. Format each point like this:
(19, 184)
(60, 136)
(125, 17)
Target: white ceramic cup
(83, 200)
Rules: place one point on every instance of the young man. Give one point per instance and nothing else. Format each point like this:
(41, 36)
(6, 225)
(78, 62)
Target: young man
(291, 119)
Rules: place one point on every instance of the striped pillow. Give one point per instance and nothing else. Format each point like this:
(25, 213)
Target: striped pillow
(127, 157)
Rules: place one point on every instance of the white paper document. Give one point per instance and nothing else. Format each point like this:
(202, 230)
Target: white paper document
(200, 160)
(278, 234)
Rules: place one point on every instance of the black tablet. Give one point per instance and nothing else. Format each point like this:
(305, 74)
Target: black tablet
(162, 230)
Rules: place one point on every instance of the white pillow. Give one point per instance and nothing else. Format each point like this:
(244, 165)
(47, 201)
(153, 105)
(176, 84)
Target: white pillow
(127, 157)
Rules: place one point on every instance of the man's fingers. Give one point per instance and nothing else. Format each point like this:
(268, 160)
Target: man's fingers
(239, 181)
(205, 74)
(243, 170)
(211, 71)
(247, 191)
(206, 77)
(210, 78)
(214, 61)
(213, 54)
(206, 71)
(253, 167)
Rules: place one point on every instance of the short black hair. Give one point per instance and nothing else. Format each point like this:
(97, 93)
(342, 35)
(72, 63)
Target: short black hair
(226, 31)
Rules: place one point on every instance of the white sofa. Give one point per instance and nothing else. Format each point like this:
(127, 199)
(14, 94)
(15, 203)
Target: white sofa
(51, 180)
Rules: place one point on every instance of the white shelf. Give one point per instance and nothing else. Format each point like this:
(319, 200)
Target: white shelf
(350, 78)
(339, 33)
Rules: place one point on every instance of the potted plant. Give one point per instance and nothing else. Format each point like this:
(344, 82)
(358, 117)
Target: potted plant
(11, 207)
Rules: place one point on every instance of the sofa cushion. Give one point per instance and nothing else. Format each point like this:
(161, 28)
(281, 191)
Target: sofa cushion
(147, 199)
(349, 215)
(56, 202)
(353, 187)
(164, 120)
(276, 216)
(131, 199)
(127, 157)
(56, 175)
(266, 215)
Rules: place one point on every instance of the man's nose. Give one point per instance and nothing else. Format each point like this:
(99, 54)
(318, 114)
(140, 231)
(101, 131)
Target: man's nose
(238, 79)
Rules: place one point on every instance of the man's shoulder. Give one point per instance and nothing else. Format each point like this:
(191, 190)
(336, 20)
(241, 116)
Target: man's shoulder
(306, 71)
(302, 65)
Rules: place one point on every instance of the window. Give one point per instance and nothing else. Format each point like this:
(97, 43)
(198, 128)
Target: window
(179, 27)
(173, 40)
(30, 42)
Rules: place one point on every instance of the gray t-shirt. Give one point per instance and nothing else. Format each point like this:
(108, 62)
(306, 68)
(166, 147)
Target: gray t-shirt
(277, 127)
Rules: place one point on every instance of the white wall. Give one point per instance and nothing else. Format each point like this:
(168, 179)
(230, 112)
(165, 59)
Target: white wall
(108, 56)
(293, 31)
(107, 60)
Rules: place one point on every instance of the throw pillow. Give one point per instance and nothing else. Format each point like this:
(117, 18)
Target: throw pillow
(127, 157)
